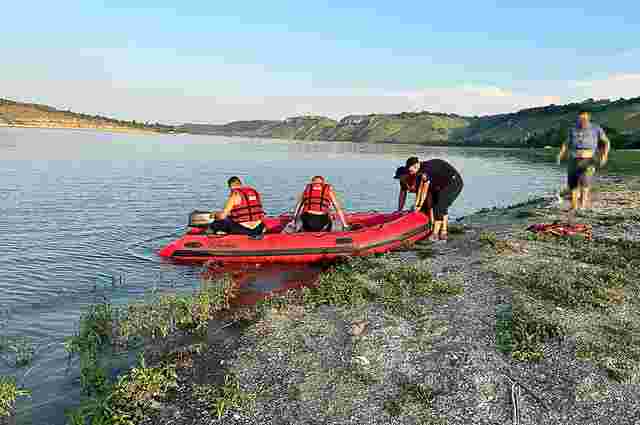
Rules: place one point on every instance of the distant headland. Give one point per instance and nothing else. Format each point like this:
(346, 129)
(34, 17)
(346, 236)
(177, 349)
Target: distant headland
(532, 127)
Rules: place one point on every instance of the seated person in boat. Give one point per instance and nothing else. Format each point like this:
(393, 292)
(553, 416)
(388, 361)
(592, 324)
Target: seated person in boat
(436, 184)
(242, 213)
(314, 206)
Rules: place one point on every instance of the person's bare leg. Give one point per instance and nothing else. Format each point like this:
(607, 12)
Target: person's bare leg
(574, 199)
(585, 197)
(445, 227)
(437, 226)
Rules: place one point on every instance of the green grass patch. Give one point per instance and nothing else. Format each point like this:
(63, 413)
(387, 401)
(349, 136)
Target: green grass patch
(488, 239)
(9, 393)
(222, 398)
(131, 399)
(169, 313)
(103, 324)
(21, 347)
(504, 328)
(613, 345)
(361, 280)
(621, 254)
(567, 285)
(530, 328)
(456, 229)
(104, 328)
(418, 395)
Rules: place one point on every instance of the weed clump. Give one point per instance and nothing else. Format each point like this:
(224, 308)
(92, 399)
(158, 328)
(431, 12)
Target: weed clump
(567, 285)
(377, 279)
(103, 327)
(456, 229)
(504, 328)
(422, 396)
(227, 396)
(615, 347)
(521, 331)
(530, 330)
(9, 392)
(623, 254)
(21, 347)
(130, 399)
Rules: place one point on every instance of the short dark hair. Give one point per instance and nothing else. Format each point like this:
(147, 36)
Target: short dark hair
(317, 178)
(400, 171)
(234, 180)
(412, 161)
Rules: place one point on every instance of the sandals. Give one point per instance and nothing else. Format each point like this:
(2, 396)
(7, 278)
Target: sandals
(444, 236)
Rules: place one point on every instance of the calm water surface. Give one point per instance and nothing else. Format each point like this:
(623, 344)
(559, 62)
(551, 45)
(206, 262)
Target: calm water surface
(79, 209)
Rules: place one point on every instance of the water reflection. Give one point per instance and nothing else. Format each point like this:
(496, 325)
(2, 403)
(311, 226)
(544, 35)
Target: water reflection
(253, 283)
(80, 209)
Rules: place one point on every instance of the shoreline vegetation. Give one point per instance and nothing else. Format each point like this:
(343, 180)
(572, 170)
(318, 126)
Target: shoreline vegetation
(537, 127)
(499, 324)
(31, 115)
(66, 127)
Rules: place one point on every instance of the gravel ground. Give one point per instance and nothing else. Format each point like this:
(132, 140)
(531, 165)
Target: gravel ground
(314, 367)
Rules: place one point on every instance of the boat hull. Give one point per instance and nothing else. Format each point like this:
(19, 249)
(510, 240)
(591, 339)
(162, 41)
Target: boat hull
(376, 233)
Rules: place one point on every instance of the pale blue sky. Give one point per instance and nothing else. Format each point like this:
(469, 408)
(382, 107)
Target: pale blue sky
(212, 61)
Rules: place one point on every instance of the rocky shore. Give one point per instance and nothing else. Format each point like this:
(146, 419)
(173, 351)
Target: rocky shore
(545, 330)
(500, 325)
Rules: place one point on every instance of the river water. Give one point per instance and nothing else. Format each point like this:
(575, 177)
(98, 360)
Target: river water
(81, 210)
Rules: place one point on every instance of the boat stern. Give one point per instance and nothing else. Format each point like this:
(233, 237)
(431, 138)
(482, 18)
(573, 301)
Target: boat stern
(168, 250)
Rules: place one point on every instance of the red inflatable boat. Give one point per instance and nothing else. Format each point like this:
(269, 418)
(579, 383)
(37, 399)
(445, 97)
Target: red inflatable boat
(370, 233)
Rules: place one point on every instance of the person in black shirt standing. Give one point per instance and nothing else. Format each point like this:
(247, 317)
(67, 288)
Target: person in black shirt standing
(436, 184)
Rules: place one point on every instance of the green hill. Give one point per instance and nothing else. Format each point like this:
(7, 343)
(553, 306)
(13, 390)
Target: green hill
(21, 114)
(533, 127)
(406, 127)
(548, 125)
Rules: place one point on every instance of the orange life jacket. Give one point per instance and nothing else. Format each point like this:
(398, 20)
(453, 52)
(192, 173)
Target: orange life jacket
(316, 198)
(250, 207)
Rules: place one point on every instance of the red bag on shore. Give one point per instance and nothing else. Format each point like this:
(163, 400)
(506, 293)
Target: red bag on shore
(562, 229)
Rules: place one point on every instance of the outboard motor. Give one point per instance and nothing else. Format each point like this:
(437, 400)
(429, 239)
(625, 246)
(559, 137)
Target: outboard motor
(200, 219)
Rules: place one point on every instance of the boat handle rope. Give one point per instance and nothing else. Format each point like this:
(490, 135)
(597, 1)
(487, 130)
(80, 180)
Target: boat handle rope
(515, 402)
(146, 241)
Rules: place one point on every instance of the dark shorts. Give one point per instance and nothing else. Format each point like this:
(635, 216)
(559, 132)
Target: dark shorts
(441, 198)
(580, 173)
(231, 227)
(315, 222)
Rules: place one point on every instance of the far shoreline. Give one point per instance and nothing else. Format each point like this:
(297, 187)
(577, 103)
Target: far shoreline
(385, 143)
(103, 129)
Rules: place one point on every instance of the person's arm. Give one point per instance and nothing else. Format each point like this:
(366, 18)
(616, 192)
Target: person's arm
(604, 156)
(298, 207)
(564, 149)
(402, 198)
(336, 205)
(563, 152)
(422, 192)
(228, 206)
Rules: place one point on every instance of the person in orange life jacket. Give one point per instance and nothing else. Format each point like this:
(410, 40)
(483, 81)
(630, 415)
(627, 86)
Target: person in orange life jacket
(242, 213)
(436, 184)
(314, 205)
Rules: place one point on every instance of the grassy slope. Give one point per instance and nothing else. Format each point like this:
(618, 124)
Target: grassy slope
(545, 125)
(35, 115)
(529, 127)
(419, 128)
